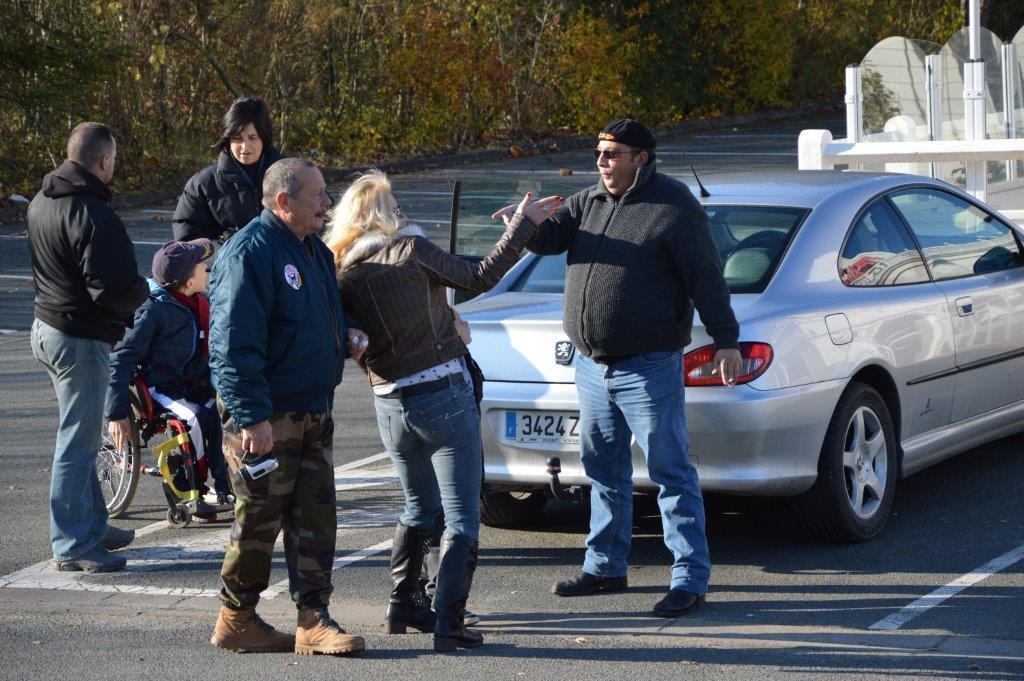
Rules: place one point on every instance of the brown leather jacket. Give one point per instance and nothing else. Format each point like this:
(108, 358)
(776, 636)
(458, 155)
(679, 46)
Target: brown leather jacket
(395, 288)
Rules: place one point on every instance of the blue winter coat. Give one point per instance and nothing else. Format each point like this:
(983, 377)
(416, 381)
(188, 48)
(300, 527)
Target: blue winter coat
(163, 348)
(278, 336)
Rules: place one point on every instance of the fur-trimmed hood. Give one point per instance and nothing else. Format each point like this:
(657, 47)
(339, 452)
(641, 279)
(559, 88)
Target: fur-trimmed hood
(369, 244)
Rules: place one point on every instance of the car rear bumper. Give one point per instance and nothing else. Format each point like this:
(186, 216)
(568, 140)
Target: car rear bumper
(743, 441)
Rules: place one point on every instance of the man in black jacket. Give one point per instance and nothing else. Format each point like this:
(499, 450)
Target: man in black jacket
(640, 255)
(87, 287)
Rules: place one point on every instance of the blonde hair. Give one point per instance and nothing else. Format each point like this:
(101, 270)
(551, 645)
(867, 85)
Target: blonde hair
(363, 209)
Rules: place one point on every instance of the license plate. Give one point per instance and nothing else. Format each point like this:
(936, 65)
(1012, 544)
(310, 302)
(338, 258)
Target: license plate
(557, 427)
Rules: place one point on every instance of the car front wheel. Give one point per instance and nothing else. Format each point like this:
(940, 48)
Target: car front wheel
(852, 497)
(512, 509)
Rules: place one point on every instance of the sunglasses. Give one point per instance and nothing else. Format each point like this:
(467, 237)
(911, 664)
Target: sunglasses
(611, 154)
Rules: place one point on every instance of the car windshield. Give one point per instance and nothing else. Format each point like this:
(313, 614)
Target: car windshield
(750, 242)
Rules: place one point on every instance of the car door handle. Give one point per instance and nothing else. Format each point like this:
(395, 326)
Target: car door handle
(964, 306)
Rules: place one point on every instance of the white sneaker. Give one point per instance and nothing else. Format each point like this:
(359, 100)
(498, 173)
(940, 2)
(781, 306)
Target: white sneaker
(215, 499)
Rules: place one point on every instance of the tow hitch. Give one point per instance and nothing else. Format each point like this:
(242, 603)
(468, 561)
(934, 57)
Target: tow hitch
(559, 491)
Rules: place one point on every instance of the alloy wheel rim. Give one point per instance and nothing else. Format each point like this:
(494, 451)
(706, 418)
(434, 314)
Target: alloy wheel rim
(865, 463)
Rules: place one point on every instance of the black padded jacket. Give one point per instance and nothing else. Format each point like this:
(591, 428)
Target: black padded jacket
(221, 199)
(83, 262)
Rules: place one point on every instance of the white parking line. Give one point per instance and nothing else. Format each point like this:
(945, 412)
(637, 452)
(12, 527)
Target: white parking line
(359, 463)
(339, 483)
(209, 546)
(19, 277)
(340, 562)
(943, 593)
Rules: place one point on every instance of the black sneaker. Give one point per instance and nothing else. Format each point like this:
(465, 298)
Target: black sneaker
(678, 602)
(115, 538)
(202, 512)
(585, 584)
(96, 560)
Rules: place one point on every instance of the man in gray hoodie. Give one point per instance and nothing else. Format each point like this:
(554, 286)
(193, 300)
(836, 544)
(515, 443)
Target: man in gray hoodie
(640, 256)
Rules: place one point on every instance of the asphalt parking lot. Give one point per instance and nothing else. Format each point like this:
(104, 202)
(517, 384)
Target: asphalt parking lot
(940, 594)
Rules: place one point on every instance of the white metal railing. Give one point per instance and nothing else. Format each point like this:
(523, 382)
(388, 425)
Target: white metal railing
(817, 150)
(908, 146)
(906, 142)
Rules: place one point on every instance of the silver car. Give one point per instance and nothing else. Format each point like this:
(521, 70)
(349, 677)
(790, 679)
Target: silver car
(881, 326)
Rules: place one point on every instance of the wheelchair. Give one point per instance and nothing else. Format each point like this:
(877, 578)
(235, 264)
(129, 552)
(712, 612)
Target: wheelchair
(155, 428)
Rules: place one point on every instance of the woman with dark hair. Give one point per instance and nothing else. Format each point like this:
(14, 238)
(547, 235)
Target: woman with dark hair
(224, 197)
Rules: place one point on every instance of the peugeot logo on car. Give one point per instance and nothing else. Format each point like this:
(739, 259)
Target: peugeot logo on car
(564, 351)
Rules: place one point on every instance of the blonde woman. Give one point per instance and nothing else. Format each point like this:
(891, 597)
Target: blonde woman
(392, 280)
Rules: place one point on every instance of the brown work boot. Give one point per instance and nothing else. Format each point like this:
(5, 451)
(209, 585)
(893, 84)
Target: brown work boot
(243, 631)
(318, 633)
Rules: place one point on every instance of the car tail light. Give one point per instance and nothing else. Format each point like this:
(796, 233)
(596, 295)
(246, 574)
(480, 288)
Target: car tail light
(698, 364)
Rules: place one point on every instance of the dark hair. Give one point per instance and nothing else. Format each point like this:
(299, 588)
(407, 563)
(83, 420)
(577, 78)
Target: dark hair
(637, 150)
(89, 142)
(243, 111)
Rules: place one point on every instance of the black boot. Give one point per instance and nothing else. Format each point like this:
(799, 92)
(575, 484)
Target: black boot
(407, 607)
(454, 579)
(431, 563)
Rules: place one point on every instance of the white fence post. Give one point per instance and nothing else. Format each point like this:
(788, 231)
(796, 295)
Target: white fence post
(854, 108)
(1010, 101)
(974, 122)
(811, 150)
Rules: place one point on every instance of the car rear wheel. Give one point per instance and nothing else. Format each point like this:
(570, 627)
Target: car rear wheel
(512, 509)
(851, 499)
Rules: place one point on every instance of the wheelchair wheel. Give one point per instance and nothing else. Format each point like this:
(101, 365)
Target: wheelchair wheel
(118, 472)
(178, 517)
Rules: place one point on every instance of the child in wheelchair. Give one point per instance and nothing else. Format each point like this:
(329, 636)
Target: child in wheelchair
(167, 348)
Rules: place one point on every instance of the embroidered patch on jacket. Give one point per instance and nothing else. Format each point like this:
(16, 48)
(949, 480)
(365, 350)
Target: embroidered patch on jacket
(292, 276)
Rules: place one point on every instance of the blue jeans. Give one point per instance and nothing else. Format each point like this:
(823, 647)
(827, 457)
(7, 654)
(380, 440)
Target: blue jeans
(642, 395)
(434, 440)
(79, 369)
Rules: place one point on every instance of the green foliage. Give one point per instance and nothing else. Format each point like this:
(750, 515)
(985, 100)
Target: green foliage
(42, 45)
(880, 103)
(363, 82)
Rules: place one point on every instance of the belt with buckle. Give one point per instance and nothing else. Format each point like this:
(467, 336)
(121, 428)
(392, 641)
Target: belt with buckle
(426, 386)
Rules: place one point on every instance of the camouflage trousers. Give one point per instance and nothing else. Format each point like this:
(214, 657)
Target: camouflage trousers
(298, 498)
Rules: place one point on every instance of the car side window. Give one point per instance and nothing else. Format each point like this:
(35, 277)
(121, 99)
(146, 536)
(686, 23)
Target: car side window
(880, 252)
(547, 275)
(958, 239)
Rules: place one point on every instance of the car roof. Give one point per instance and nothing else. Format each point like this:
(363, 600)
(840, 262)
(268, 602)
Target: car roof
(798, 188)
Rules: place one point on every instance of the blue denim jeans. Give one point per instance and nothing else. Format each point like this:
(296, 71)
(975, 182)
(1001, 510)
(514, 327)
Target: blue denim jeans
(434, 440)
(642, 395)
(79, 369)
